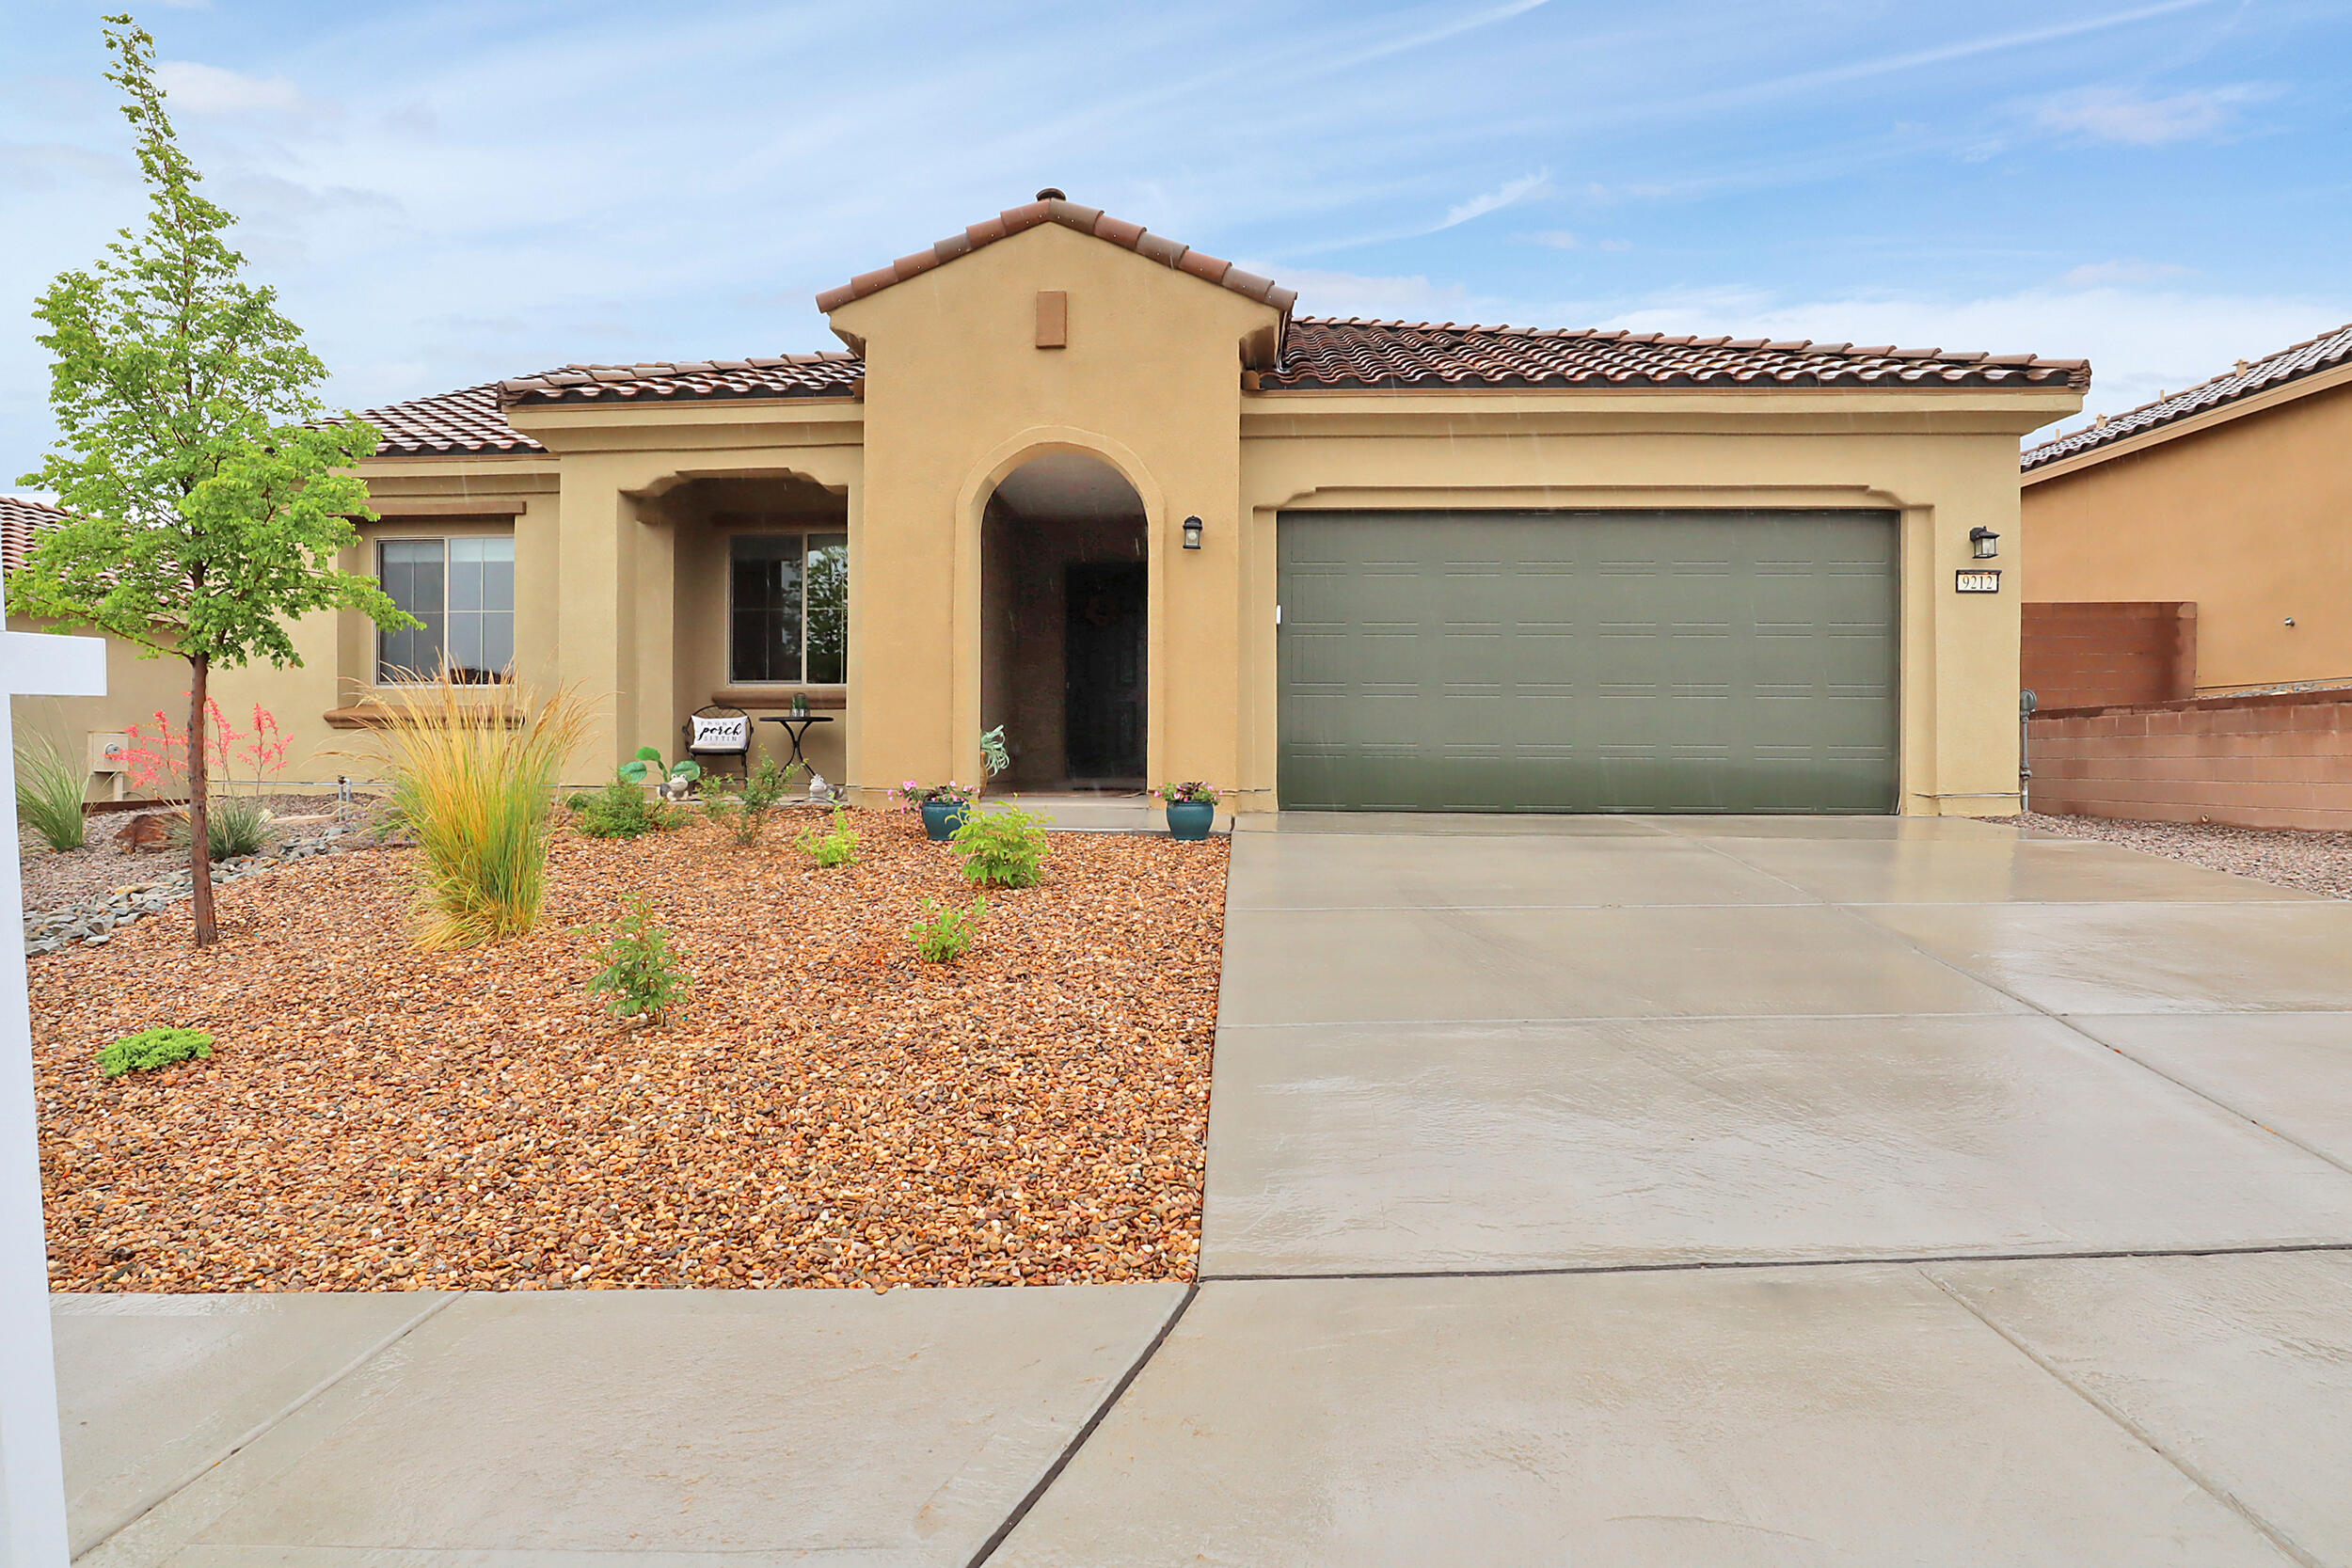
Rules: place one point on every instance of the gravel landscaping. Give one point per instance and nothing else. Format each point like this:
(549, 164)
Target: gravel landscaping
(2317, 863)
(54, 879)
(826, 1110)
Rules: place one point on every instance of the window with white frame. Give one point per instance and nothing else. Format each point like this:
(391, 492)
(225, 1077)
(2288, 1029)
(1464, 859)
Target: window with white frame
(788, 607)
(463, 590)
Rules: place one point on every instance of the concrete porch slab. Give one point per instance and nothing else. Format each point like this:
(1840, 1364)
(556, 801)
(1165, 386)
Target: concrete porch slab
(1851, 1415)
(1101, 813)
(2238, 1369)
(1373, 1148)
(2145, 958)
(671, 1426)
(154, 1390)
(1368, 966)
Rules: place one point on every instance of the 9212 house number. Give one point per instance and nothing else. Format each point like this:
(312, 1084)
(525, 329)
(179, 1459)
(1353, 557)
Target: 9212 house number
(1977, 582)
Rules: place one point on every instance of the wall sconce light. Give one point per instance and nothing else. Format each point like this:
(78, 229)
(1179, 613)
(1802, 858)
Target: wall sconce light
(1192, 533)
(1983, 542)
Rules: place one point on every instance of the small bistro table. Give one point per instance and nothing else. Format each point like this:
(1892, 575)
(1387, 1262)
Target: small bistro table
(803, 720)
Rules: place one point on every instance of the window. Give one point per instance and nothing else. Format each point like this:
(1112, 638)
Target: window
(463, 590)
(790, 605)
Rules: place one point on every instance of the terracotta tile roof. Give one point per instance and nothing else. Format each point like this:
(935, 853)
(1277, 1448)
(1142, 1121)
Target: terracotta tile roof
(20, 519)
(1356, 354)
(830, 373)
(2308, 358)
(466, 420)
(1051, 207)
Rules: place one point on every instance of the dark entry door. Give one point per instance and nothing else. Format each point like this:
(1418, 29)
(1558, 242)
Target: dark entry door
(1102, 663)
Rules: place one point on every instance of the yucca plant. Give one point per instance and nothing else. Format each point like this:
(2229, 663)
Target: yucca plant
(476, 786)
(49, 795)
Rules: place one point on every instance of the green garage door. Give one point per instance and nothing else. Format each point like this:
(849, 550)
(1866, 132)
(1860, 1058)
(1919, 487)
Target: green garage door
(1641, 662)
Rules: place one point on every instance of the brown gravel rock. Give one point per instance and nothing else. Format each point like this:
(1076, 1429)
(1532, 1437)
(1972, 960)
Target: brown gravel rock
(2317, 863)
(826, 1110)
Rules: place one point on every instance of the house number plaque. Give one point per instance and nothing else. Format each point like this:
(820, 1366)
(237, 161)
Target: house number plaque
(1977, 582)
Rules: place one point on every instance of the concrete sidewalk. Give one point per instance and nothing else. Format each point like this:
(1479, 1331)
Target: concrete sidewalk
(1580, 1190)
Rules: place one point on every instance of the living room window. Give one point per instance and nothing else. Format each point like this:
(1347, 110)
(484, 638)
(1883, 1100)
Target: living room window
(463, 590)
(788, 607)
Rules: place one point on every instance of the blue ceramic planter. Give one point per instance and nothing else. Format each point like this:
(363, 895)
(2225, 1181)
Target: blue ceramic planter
(940, 818)
(1190, 819)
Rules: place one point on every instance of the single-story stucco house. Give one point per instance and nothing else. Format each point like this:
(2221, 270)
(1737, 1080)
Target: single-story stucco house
(1108, 492)
(2206, 531)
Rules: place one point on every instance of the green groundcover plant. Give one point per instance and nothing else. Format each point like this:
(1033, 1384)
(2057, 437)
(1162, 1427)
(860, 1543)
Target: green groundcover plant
(641, 972)
(943, 935)
(153, 1048)
(623, 810)
(1004, 848)
(830, 846)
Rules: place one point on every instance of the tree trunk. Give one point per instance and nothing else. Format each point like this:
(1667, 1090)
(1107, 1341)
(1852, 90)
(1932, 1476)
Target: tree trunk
(199, 816)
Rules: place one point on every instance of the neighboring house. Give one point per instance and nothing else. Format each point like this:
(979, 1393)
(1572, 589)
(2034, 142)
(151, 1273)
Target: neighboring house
(2201, 543)
(1108, 492)
(136, 686)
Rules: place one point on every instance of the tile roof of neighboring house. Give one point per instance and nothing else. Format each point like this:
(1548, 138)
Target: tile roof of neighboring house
(2308, 358)
(1359, 354)
(20, 519)
(1051, 207)
(830, 373)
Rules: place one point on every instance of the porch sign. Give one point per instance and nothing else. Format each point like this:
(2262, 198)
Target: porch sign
(32, 1472)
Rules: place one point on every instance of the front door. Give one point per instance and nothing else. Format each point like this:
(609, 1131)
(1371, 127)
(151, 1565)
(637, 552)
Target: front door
(1102, 680)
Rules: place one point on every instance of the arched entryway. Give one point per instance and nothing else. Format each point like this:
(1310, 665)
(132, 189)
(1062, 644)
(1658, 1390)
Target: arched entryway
(1065, 597)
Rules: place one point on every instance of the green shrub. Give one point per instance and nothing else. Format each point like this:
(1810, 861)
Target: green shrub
(1004, 848)
(942, 934)
(640, 973)
(623, 810)
(234, 825)
(647, 764)
(154, 1048)
(742, 808)
(834, 846)
(48, 795)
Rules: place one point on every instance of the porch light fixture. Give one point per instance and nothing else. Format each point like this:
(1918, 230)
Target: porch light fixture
(1983, 542)
(1192, 533)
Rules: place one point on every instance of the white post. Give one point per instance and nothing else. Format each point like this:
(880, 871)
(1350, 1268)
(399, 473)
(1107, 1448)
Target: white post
(32, 1472)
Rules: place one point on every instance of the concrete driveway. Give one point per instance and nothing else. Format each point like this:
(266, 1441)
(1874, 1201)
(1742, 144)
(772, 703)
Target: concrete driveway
(1580, 1192)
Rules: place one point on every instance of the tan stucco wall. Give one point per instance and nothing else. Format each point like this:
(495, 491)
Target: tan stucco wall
(136, 688)
(2250, 519)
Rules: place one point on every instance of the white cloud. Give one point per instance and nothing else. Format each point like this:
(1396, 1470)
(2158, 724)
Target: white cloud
(1557, 239)
(1349, 294)
(1479, 206)
(2117, 114)
(2093, 274)
(209, 89)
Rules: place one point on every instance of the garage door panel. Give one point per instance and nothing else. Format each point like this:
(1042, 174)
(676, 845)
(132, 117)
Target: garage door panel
(1589, 661)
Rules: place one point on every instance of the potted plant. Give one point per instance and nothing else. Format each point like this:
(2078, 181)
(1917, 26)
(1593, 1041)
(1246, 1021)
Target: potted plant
(944, 806)
(1191, 809)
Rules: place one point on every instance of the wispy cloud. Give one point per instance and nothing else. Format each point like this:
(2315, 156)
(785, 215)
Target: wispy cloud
(2119, 115)
(196, 89)
(1492, 202)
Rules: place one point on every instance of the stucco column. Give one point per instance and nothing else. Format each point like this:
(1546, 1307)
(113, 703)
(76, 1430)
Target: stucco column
(615, 620)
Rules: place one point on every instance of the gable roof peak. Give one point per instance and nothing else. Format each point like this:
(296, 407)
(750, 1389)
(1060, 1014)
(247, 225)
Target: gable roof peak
(1052, 207)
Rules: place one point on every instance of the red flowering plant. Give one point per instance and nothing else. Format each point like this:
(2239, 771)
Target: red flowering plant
(238, 825)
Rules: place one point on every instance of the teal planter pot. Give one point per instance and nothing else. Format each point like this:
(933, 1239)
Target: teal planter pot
(1190, 819)
(940, 818)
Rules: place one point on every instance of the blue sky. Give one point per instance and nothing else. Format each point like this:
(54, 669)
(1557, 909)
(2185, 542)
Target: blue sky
(446, 194)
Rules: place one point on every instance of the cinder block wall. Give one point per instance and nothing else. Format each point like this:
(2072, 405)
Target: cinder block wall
(2278, 760)
(2098, 654)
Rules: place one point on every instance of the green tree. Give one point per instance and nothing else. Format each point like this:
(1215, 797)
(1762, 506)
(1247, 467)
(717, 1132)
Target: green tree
(206, 497)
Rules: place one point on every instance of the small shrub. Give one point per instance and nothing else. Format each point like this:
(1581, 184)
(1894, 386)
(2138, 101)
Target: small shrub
(647, 764)
(623, 810)
(153, 1048)
(234, 825)
(1193, 793)
(48, 795)
(942, 934)
(639, 972)
(1006, 848)
(743, 809)
(831, 847)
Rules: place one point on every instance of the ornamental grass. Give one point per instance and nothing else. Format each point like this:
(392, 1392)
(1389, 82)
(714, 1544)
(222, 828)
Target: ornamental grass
(474, 783)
